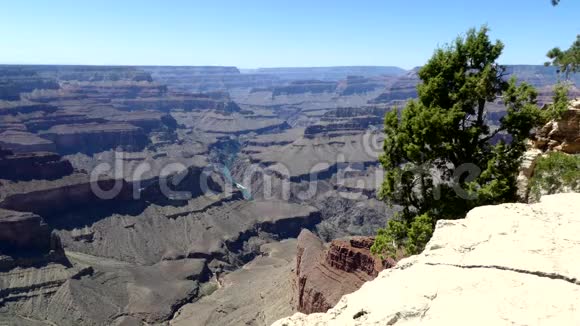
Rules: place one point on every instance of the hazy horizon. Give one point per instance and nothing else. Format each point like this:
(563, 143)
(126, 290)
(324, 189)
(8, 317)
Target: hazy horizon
(241, 69)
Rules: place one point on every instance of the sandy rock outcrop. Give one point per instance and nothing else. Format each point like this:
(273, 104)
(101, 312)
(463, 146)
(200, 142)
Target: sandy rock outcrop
(527, 166)
(564, 134)
(561, 135)
(501, 265)
(324, 275)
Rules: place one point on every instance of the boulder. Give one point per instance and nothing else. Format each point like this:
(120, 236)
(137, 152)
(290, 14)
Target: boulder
(510, 264)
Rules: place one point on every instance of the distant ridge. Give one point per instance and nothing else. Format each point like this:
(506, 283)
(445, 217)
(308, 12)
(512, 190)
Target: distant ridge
(327, 73)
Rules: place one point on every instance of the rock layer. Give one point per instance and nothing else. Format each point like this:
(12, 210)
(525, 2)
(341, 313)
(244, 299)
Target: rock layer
(501, 265)
(26, 240)
(23, 231)
(323, 275)
(93, 137)
(28, 166)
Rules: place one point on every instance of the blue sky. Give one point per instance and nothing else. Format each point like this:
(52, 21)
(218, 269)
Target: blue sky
(273, 33)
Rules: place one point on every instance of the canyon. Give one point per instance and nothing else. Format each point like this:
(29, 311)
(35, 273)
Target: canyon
(156, 195)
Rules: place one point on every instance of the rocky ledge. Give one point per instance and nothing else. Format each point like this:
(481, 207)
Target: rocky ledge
(94, 137)
(51, 197)
(324, 275)
(23, 142)
(501, 265)
(25, 240)
(563, 134)
(22, 230)
(29, 166)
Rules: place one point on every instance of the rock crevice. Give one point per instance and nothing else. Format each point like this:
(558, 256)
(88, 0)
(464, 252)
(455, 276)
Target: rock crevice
(551, 276)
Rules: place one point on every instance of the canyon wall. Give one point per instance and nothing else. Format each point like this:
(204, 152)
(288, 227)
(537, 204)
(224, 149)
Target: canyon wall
(324, 275)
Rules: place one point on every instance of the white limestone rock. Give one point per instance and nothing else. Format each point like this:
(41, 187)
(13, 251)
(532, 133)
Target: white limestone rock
(529, 160)
(511, 264)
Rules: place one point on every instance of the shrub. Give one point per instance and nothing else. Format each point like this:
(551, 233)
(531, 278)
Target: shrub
(402, 239)
(555, 172)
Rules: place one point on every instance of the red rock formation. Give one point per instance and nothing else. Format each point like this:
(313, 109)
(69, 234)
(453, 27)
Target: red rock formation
(354, 256)
(324, 275)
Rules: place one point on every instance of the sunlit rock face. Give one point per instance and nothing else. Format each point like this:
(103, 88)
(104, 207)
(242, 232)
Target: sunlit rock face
(561, 135)
(501, 265)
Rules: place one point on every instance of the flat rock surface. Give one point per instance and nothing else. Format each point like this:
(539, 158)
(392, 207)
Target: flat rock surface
(213, 122)
(512, 264)
(8, 188)
(22, 138)
(306, 156)
(8, 216)
(92, 128)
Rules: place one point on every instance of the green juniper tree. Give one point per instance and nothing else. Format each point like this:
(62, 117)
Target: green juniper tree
(441, 157)
(567, 61)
